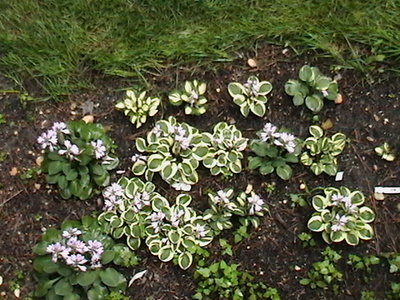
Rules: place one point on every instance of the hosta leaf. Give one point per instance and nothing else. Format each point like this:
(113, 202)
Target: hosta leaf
(295, 87)
(314, 103)
(315, 224)
(140, 144)
(235, 88)
(255, 162)
(366, 214)
(316, 131)
(63, 288)
(331, 169)
(322, 83)
(244, 110)
(319, 202)
(258, 108)
(265, 88)
(266, 168)
(367, 232)
(166, 253)
(185, 259)
(298, 99)
(306, 73)
(87, 278)
(284, 171)
(316, 168)
(112, 278)
(352, 238)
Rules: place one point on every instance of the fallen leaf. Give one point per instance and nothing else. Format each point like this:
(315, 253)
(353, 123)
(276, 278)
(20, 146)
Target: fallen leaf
(339, 99)
(252, 63)
(88, 119)
(327, 124)
(14, 171)
(379, 196)
(39, 160)
(137, 276)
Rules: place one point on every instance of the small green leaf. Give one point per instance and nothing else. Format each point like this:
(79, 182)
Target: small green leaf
(112, 278)
(185, 259)
(314, 103)
(284, 172)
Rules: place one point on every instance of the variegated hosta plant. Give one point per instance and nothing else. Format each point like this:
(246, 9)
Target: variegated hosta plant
(138, 107)
(175, 231)
(312, 88)
(192, 96)
(321, 151)
(340, 216)
(224, 154)
(250, 96)
(127, 205)
(275, 150)
(173, 150)
(224, 204)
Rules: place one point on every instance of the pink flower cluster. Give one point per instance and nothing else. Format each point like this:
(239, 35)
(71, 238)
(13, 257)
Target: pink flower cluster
(76, 253)
(282, 139)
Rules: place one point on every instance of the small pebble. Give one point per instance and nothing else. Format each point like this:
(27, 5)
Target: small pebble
(13, 171)
(379, 196)
(252, 63)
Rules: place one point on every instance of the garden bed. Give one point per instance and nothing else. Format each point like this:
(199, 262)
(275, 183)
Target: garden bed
(273, 253)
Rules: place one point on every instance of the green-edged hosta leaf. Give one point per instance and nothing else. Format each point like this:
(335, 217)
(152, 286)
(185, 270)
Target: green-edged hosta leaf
(166, 253)
(112, 277)
(315, 224)
(319, 202)
(314, 103)
(357, 198)
(316, 168)
(133, 242)
(284, 171)
(265, 88)
(266, 168)
(316, 131)
(337, 236)
(295, 87)
(322, 83)
(367, 232)
(330, 169)
(87, 278)
(298, 99)
(185, 259)
(244, 110)
(140, 144)
(258, 108)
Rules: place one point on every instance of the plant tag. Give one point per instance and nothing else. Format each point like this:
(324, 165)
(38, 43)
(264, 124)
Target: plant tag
(387, 190)
(339, 176)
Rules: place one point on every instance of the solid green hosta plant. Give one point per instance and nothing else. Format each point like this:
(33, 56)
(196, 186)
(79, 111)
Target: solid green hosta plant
(340, 215)
(192, 96)
(275, 150)
(321, 151)
(70, 262)
(225, 146)
(78, 157)
(173, 150)
(251, 96)
(138, 107)
(176, 231)
(312, 88)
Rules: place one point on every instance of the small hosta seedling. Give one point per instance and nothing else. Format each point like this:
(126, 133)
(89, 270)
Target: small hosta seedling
(340, 216)
(78, 157)
(275, 150)
(138, 107)
(251, 96)
(312, 88)
(385, 152)
(192, 96)
(321, 151)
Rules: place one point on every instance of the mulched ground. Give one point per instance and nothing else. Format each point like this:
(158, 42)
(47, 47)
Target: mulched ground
(369, 116)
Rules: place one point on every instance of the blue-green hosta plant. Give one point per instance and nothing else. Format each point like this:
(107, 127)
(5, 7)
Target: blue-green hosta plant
(251, 96)
(275, 150)
(173, 150)
(321, 151)
(340, 215)
(78, 157)
(312, 88)
(71, 263)
(225, 146)
(138, 107)
(192, 96)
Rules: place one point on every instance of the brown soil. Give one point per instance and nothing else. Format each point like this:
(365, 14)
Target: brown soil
(369, 116)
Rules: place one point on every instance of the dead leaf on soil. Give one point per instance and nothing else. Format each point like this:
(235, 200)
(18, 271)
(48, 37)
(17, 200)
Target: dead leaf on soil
(39, 160)
(13, 171)
(88, 119)
(327, 124)
(252, 63)
(339, 99)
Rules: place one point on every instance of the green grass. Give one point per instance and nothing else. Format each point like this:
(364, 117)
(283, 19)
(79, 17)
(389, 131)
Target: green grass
(56, 42)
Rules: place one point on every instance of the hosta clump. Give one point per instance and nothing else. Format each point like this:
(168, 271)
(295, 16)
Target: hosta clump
(175, 231)
(340, 216)
(312, 88)
(250, 96)
(71, 262)
(173, 150)
(127, 205)
(224, 204)
(275, 150)
(225, 147)
(321, 151)
(138, 107)
(192, 96)
(172, 232)
(78, 157)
